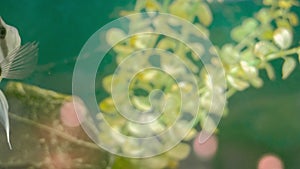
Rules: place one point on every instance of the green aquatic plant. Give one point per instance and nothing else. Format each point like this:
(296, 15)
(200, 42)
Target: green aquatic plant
(266, 36)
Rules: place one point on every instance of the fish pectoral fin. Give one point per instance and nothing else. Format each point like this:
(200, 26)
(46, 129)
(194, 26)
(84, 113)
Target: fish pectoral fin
(20, 62)
(4, 116)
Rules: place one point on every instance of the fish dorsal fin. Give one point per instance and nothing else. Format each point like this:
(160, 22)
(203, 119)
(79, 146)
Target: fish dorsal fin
(20, 62)
(4, 116)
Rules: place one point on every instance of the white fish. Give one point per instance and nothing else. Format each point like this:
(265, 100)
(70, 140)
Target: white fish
(4, 116)
(16, 62)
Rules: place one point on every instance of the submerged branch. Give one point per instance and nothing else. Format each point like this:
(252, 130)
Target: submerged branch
(56, 132)
(20, 166)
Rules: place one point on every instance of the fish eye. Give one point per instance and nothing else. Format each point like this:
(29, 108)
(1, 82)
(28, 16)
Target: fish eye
(2, 32)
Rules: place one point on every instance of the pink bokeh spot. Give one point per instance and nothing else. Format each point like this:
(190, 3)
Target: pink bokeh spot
(270, 162)
(205, 150)
(61, 161)
(70, 111)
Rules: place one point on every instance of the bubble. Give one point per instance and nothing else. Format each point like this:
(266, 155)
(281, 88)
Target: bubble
(207, 149)
(270, 162)
(68, 114)
(60, 161)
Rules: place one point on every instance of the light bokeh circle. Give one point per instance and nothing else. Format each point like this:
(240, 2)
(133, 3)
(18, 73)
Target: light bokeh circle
(97, 47)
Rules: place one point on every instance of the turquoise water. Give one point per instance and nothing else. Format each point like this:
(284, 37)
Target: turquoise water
(260, 120)
(61, 28)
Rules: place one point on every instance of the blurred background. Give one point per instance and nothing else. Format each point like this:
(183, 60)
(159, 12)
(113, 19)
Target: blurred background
(260, 122)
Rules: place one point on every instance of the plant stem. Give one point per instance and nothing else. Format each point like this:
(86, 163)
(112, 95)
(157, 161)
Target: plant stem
(250, 37)
(280, 54)
(230, 92)
(166, 5)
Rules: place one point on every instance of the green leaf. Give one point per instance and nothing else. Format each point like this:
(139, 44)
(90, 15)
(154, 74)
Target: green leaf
(263, 48)
(249, 25)
(288, 66)
(238, 84)
(122, 163)
(267, 33)
(192, 133)
(283, 38)
(268, 2)
(157, 162)
(107, 106)
(180, 152)
(107, 82)
(229, 54)
(182, 9)
(264, 16)
(285, 4)
(257, 82)
(293, 18)
(250, 71)
(114, 35)
(142, 103)
(284, 23)
(204, 14)
(237, 34)
(270, 71)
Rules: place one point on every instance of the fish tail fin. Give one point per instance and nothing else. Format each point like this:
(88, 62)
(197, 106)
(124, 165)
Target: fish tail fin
(4, 116)
(8, 140)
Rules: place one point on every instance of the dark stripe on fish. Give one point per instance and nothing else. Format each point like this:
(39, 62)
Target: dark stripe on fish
(4, 48)
(2, 32)
(3, 44)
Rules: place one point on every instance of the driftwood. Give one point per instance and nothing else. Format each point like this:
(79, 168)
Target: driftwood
(39, 138)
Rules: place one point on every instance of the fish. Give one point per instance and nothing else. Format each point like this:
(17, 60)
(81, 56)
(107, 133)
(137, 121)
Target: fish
(4, 116)
(16, 62)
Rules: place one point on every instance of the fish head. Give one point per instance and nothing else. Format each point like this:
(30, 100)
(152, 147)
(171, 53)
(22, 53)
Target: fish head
(2, 28)
(10, 34)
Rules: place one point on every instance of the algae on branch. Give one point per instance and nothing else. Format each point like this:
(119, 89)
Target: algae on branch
(39, 137)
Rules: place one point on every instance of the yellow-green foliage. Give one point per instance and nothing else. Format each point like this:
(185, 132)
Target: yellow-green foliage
(266, 36)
